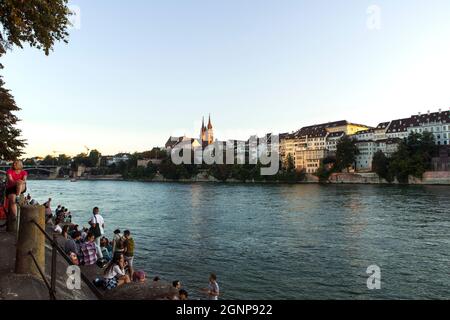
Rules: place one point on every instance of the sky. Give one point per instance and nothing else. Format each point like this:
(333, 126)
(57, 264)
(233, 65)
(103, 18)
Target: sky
(136, 72)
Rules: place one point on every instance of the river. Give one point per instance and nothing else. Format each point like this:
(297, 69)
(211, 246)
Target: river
(276, 241)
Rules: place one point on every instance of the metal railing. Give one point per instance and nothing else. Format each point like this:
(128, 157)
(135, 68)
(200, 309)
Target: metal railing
(55, 250)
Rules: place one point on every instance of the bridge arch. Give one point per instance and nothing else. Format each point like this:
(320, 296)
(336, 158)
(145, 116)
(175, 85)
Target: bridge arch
(38, 170)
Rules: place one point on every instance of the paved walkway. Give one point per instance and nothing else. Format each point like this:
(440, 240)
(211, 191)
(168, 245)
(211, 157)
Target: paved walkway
(27, 287)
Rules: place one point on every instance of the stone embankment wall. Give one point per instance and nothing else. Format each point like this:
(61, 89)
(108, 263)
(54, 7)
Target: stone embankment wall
(429, 178)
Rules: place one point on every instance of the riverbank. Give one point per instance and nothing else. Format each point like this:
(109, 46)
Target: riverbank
(29, 287)
(429, 178)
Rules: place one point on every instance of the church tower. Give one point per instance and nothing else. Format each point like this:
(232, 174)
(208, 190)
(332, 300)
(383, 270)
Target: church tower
(203, 133)
(210, 133)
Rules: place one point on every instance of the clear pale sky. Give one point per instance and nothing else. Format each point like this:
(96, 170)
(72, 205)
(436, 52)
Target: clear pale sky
(136, 72)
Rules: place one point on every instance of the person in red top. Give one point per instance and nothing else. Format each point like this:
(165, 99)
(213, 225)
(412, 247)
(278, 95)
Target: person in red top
(16, 185)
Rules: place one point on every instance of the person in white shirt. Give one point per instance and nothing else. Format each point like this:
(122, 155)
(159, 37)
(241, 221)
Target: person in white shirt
(58, 228)
(213, 288)
(115, 274)
(97, 220)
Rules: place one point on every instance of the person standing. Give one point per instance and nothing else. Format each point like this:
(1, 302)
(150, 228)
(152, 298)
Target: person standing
(117, 242)
(97, 228)
(213, 288)
(48, 210)
(177, 284)
(128, 248)
(15, 186)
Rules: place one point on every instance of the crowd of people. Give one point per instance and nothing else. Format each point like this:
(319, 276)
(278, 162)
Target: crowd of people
(89, 246)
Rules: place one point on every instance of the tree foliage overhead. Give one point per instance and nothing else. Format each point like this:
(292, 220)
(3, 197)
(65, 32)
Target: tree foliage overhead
(40, 23)
(10, 143)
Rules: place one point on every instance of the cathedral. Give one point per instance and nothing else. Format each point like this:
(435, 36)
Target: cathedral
(207, 133)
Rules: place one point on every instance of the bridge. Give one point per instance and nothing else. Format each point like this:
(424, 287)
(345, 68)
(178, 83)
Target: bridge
(51, 171)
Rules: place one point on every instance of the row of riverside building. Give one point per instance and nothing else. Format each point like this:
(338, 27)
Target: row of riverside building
(310, 145)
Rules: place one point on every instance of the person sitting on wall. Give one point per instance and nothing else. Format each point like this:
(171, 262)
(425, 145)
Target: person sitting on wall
(115, 274)
(89, 250)
(16, 185)
(105, 250)
(58, 226)
(48, 211)
(73, 244)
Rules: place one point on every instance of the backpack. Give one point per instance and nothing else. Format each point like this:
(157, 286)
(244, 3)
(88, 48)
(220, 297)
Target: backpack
(98, 282)
(96, 230)
(102, 262)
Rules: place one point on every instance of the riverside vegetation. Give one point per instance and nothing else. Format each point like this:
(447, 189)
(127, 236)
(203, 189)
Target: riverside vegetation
(412, 158)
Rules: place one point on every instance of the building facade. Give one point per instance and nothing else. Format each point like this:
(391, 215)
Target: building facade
(437, 123)
(182, 142)
(310, 145)
(368, 148)
(387, 136)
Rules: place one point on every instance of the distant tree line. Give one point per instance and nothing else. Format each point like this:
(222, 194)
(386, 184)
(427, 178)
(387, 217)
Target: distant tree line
(222, 172)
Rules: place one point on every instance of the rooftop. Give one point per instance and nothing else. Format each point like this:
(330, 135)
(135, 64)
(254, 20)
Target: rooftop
(402, 125)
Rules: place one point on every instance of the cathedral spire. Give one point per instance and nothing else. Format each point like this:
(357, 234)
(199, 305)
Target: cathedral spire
(209, 122)
(203, 135)
(210, 132)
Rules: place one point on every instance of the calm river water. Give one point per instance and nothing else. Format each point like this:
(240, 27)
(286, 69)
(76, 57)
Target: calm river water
(277, 241)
